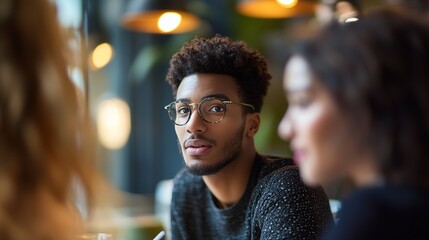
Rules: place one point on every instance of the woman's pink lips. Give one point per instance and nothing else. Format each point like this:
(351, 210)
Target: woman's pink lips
(297, 157)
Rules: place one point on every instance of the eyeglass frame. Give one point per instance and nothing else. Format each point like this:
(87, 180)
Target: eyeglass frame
(224, 102)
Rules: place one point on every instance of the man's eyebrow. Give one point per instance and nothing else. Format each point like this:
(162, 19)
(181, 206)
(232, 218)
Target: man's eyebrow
(183, 100)
(219, 96)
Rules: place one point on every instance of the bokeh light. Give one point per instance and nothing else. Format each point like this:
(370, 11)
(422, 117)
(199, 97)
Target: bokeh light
(169, 21)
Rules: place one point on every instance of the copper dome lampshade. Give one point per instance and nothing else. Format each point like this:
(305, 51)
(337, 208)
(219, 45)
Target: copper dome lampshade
(276, 8)
(159, 16)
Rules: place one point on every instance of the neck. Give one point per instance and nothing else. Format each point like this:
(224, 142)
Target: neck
(229, 184)
(366, 173)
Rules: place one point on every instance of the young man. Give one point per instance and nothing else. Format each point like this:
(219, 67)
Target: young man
(227, 190)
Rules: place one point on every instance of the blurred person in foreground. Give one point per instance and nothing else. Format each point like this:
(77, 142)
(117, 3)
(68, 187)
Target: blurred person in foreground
(227, 189)
(359, 108)
(44, 140)
(415, 6)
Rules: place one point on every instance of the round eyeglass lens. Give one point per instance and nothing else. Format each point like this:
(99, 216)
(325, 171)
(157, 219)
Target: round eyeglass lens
(179, 112)
(212, 110)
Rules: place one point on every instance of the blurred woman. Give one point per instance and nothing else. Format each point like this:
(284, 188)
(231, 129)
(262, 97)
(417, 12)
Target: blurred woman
(44, 140)
(358, 98)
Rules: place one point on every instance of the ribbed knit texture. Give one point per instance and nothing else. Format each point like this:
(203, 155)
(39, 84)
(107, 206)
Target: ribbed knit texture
(275, 205)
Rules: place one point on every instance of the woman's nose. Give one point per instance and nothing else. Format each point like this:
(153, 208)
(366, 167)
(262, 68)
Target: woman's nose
(285, 128)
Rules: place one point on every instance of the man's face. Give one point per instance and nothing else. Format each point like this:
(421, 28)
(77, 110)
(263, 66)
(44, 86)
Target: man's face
(209, 147)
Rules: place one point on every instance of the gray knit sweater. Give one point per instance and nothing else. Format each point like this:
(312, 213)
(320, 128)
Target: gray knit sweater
(275, 205)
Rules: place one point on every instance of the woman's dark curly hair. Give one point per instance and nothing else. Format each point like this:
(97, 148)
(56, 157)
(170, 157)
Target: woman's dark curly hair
(221, 55)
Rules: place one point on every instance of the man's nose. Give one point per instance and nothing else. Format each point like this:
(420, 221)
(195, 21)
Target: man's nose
(196, 123)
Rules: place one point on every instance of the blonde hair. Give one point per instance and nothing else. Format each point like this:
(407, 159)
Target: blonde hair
(45, 140)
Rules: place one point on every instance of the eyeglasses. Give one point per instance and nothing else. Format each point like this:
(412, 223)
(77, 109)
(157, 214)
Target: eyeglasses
(211, 110)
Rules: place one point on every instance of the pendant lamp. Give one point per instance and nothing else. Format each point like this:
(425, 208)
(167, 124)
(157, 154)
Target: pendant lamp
(159, 16)
(276, 8)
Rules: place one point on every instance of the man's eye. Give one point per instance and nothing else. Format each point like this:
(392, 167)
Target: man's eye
(216, 108)
(183, 110)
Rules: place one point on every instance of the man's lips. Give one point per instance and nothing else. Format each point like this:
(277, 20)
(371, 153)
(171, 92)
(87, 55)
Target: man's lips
(197, 146)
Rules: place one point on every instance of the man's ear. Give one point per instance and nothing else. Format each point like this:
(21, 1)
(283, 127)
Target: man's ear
(253, 124)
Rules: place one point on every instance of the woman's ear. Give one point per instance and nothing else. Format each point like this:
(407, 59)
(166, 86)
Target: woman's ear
(253, 124)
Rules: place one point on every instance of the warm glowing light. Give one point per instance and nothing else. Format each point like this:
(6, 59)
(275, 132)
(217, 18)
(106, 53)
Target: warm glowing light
(169, 21)
(351, 19)
(161, 22)
(113, 123)
(102, 55)
(276, 8)
(288, 3)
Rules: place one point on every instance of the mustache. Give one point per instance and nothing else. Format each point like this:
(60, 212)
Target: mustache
(200, 137)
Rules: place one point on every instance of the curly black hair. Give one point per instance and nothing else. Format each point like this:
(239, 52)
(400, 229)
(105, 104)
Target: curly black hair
(221, 55)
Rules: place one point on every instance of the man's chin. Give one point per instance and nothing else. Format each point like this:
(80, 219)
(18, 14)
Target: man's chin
(201, 170)
(200, 167)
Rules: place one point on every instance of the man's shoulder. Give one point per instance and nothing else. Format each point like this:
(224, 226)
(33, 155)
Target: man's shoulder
(280, 183)
(281, 176)
(273, 166)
